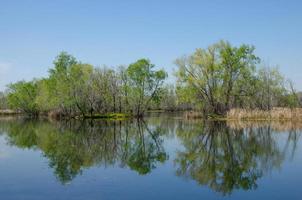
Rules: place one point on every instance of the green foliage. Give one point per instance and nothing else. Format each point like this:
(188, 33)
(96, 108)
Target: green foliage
(68, 84)
(119, 116)
(22, 95)
(3, 101)
(211, 80)
(167, 99)
(145, 84)
(222, 77)
(74, 88)
(216, 74)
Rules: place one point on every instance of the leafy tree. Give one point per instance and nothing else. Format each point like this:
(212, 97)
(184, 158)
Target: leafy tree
(3, 100)
(270, 87)
(22, 96)
(59, 82)
(211, 80)
(79, 76)
(124, 89)
(107, 88)
(145, 83)
(215, 74)
(67, 88)
(167, 99)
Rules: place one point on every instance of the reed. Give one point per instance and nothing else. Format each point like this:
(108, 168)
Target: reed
(275, 125)
(274, 114)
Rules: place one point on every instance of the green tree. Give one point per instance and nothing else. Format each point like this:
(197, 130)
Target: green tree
(67, 88)
(22, 96)
(3, 100)
(145, 83)
(59, 82)
(107, 90)
(270, 88)
(167, 98)
(216, 74)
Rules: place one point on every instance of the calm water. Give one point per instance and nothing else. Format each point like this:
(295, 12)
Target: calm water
(160, 158)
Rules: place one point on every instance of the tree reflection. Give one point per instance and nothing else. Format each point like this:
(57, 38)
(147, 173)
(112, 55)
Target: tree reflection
(144, 151)
(226, 159)
(73, 146)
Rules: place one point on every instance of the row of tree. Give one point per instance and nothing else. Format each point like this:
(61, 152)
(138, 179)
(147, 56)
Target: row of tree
(222, 77)
(74, 88)
(211, 80)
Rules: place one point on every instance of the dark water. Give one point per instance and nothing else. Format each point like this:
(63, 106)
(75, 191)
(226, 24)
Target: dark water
(160, 158)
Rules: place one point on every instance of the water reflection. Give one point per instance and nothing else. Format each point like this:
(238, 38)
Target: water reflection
(223, 156)
(73, 146)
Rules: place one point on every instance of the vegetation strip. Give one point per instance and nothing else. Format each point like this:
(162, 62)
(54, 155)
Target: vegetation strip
(221, 81)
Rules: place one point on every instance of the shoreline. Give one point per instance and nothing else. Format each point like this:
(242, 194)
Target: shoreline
(276, 114)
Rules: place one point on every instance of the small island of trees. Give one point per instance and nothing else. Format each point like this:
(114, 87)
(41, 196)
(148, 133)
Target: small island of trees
(211, 82)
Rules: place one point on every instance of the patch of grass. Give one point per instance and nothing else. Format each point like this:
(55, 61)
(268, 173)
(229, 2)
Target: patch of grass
(108, 116)
(9, 112)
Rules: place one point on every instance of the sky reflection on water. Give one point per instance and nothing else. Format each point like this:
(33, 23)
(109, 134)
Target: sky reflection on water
(159, 158)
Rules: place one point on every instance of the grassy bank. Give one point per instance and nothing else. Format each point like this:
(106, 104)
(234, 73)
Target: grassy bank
(276, 125)
(274, 114)
(108, 116)
(56, 115)
(9, 112)
(280, 114)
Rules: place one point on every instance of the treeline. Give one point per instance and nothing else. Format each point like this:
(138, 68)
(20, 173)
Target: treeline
(221, 77)
(212, 81)
(79, 89)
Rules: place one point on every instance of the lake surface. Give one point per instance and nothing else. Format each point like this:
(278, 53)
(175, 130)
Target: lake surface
(162, 157)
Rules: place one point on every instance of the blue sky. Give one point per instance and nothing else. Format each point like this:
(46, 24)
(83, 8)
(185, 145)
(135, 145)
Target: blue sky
(115, 32)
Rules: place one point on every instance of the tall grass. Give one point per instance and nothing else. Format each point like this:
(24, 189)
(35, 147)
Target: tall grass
(275, 125)
(274, 114)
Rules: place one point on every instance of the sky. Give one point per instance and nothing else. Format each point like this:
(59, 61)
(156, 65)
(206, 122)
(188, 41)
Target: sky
(33, 32)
